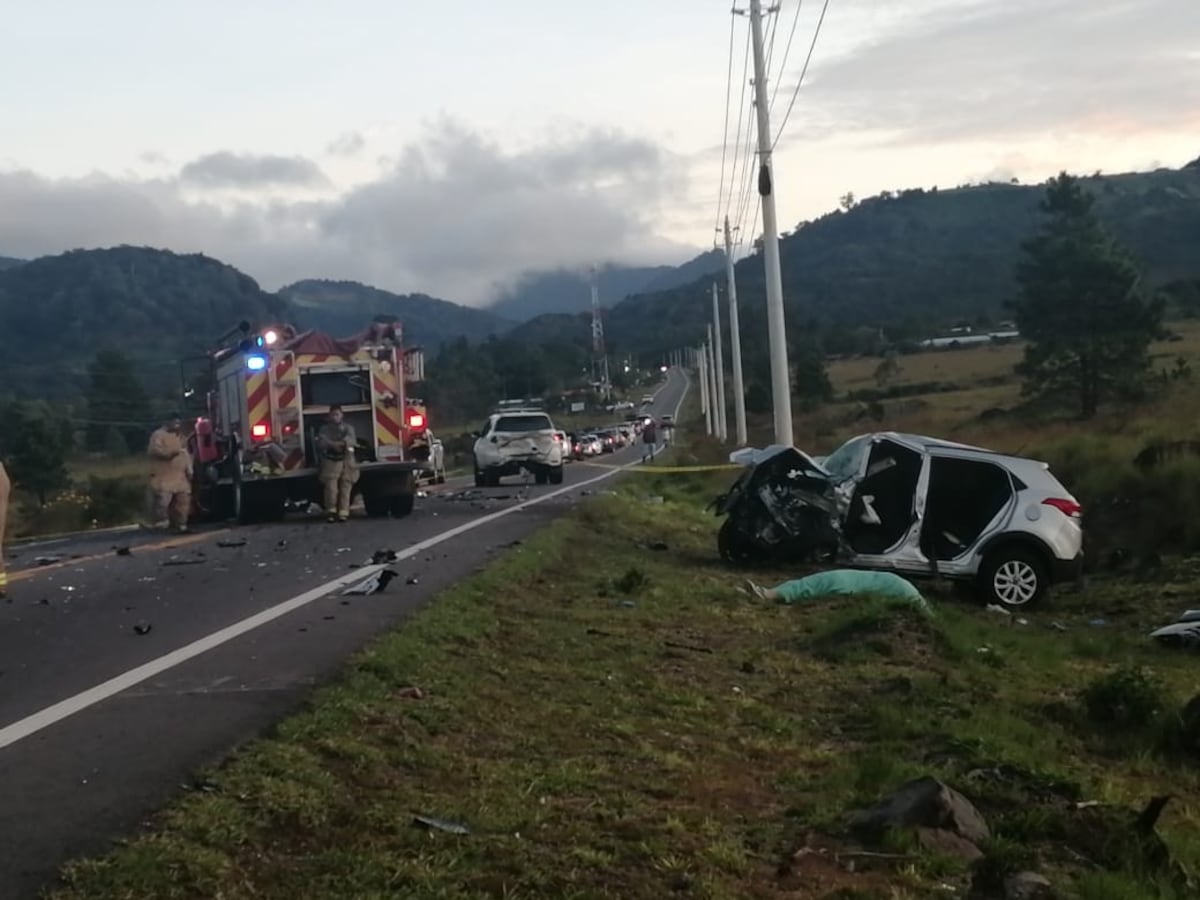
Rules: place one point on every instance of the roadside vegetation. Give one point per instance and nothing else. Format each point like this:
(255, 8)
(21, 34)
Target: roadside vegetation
(608, 713)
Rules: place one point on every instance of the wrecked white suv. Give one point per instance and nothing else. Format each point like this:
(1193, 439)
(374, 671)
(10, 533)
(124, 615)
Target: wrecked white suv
(911, 504)
(515, 441)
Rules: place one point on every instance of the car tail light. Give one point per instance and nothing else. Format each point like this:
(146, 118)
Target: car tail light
(260, 432)
(416, 420)
(1065, 506)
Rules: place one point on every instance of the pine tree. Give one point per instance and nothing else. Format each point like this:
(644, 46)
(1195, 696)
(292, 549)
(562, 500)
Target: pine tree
(1081, 306)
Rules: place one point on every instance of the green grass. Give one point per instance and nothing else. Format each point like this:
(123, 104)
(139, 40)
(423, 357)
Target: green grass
(616, 721)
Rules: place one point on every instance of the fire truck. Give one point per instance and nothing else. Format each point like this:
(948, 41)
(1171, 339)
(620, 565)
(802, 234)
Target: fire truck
(254, 445)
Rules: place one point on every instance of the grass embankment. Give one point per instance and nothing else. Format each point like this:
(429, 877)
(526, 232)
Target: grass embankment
(611, 717)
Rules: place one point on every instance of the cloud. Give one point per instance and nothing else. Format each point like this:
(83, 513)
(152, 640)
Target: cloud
(349, 144)
(454, 215)
(237, 170)
(986, 71)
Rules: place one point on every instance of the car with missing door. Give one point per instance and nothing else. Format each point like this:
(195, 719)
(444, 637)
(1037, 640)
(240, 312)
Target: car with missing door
(518, 440)
(912, 504)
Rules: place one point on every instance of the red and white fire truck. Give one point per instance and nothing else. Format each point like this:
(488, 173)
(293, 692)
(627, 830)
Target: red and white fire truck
(254, 446)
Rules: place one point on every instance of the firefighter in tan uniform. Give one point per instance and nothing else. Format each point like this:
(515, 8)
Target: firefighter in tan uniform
(339, 469)
(5, 490)
(170, 475)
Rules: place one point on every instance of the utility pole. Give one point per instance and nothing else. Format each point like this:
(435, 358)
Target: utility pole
(599, 353)
(722, 430)
(735, 343)
(712, 384)
(704, 406)
(781, 387)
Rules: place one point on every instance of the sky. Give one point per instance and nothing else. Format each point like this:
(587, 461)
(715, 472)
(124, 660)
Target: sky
(448, 148)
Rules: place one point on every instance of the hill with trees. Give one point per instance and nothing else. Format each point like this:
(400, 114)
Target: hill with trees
(344, 307)
(916, 260)
(57, 312)
(7, 262)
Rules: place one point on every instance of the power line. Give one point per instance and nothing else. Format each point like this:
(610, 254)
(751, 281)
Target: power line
(812, 46)
(725, 131)
(737, 146)
(786, 51)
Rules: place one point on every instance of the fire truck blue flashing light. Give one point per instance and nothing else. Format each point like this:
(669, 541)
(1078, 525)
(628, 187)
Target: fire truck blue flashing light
(256, 363)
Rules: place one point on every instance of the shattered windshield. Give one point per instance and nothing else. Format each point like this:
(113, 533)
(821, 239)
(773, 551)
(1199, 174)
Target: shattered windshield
(846, 461)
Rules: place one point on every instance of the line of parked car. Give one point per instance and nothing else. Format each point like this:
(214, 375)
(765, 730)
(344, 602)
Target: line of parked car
(598, 440)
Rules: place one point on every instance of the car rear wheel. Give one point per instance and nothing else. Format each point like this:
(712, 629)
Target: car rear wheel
(1013, 576)
(556, 475)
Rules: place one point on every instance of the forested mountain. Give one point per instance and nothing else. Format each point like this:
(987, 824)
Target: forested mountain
(918, 259)
(570, 291)
(7, 262)
(345, 307)
(56, 312)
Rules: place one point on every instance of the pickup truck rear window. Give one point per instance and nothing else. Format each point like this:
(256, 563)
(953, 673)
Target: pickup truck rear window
(517, 424)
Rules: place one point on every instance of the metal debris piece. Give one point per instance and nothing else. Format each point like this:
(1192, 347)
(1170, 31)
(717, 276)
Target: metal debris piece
(383, 556)
(440, 825)
(142, 628)
(232, 542)
(373, 584)
(48, 560)
(175, 561)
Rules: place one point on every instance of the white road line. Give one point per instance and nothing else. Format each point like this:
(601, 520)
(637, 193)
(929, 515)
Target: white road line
(64, 709)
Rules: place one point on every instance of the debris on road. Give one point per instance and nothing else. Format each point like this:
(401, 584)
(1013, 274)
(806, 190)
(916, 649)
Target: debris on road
(48, 560)
(124, 551)
(281, 544)
(383, 556)
(142, 628)
(412, 579)
(231, 542)
(435, 824)
(374, 584)
(189, 561)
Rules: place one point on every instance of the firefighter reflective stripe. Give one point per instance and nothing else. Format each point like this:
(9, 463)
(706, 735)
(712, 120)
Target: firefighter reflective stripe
(389, 414)
(285, 377)
(258, 402)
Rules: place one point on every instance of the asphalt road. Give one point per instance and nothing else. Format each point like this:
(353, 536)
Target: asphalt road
(101, 724)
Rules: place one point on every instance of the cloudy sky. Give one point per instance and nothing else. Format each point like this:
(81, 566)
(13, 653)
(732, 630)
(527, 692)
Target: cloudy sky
(448, 147)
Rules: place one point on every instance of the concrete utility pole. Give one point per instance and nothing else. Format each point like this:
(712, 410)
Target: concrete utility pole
(704, 406)
(781, 387)
(722, 430)
(735, 343)
(712, 383)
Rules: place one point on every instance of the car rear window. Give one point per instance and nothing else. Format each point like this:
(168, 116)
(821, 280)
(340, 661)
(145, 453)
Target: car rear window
(523, 423)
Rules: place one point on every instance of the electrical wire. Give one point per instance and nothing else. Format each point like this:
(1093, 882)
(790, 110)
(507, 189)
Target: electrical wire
(737, 145)
(725, 130)
(786, 52)
(803, 72)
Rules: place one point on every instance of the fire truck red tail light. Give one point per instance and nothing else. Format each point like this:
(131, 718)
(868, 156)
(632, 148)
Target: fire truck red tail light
(260, 432)
(416, 420)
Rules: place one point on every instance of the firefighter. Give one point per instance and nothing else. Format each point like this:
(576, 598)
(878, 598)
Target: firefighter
(339, 470)
(5, 490)
(170, 475)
